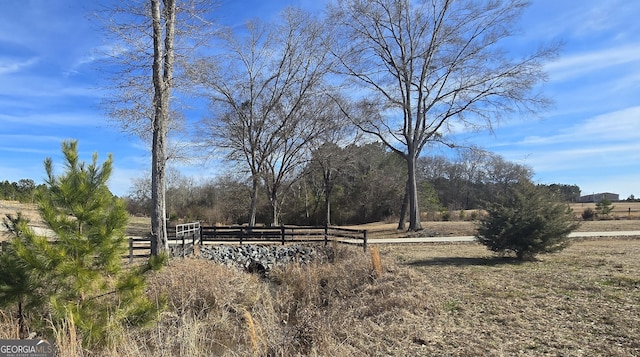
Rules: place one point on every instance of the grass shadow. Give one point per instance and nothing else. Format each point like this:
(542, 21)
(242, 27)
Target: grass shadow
(462, 261)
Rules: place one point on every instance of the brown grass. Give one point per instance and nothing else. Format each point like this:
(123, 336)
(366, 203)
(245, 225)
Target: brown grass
(621, 209)
(376, 262)
(429, 300)
(434, 300)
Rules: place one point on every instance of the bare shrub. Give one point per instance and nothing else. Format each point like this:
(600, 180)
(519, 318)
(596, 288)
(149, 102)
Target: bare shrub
(588, 214)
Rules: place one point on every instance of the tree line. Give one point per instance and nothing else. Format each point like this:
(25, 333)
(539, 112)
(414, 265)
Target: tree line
(355, 184)
(23, 190)
(476, 177)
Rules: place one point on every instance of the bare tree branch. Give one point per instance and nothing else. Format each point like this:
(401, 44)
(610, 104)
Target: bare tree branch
(425, 66)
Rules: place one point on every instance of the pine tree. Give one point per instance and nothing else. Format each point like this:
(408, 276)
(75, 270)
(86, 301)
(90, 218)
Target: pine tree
(81, 273)
(17, 285)
(604, 207)
(526, 221)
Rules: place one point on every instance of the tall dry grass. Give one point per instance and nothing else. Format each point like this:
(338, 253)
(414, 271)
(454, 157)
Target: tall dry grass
(213, 310)
(376, 262)
(430, 300)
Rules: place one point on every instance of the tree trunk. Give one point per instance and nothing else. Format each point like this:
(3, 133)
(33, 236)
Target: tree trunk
(275, 210)
(327, 205)
(403, 209)
(22, 328)
(163, 58)
(412, 191)
(159, 241)
(254, 202)
(328, 187)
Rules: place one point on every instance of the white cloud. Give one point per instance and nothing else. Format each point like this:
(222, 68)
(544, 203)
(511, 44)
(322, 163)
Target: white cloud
(619, 125)
(598, 156)
(8, 66)
(22, 138)
(581, 20)
(55, 119)
(30, 88)
(96, 54)
(597, 16)
(580, 64)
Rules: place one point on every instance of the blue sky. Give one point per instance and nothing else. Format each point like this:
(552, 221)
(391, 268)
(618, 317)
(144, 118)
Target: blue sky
(50, 91)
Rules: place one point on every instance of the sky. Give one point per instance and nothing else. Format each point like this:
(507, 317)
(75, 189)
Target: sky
(51, 90)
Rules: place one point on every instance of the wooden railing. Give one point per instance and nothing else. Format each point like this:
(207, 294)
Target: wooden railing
(139, 244)
(253, 235)
(282, 234)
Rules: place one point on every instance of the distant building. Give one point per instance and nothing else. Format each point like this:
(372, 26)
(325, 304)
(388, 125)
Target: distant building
(597, 197)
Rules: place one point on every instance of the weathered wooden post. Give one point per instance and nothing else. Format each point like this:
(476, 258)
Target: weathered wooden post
(184, 247)
(326, 235)
(282, 233)
(364, 237)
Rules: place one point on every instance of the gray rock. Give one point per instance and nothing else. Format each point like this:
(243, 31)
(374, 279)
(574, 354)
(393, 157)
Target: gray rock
(260, 258)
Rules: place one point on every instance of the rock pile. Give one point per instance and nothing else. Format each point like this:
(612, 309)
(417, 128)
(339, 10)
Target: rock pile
(262, 258)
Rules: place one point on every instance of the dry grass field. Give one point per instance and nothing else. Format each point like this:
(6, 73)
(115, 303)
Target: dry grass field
(458, 300)
(429, 300)
(425, 300)
(138, 226)
(621, 209)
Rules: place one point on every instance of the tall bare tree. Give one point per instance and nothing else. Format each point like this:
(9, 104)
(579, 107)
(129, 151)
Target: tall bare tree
(426, 67)
(164, 22)
(144, 58)
(268, 100)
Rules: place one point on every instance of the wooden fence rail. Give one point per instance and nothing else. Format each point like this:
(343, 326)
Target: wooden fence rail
(254, 235)
(138, 244)
(282, 234)
(141, 247)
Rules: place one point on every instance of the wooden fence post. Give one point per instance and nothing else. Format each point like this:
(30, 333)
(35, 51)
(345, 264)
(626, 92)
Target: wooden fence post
(282, 233)
(130, 250)
(326, 235)
(364, 244)
(184, 246)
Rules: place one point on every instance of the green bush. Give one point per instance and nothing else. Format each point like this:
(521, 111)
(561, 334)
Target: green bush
(445, 215)
(526, 221)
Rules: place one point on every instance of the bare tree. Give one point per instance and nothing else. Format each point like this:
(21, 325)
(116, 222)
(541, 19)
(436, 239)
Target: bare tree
(426, 67)
(163, 60)
(268, 100)
(143, 59)
(330, 160)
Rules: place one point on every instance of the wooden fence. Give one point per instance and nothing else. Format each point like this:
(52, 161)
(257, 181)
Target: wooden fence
(187, 236)
(250, 235)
